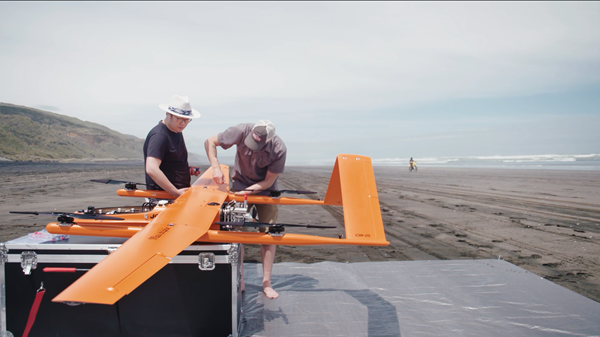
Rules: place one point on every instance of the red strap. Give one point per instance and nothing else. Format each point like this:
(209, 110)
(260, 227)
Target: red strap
(58, 270)
(63, 269)
(34, 310)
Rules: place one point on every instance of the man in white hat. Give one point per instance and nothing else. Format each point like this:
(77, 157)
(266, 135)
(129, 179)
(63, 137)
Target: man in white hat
(165, 153)
(259, 159)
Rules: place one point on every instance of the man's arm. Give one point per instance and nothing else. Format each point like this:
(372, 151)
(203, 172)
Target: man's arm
(210, 145)
(261, 185)
(154, 171)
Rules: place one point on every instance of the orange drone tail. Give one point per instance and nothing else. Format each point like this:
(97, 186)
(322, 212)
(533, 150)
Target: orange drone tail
(352, 185)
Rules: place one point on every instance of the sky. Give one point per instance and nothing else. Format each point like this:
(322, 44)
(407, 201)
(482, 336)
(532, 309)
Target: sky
(379, 79)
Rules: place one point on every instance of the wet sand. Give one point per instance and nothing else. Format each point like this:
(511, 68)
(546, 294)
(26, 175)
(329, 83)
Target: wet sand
(545, 221)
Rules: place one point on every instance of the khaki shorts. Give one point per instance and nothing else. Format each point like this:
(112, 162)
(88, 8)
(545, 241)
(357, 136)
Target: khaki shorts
(266, 213)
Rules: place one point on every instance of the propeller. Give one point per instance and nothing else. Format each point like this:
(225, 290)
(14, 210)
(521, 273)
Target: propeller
(64, 216)
(111, 181)
(279, 192)
(264, 224)
(274, 229)
(128, 185)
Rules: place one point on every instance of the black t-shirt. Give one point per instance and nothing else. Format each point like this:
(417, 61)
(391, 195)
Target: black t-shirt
(169, 147)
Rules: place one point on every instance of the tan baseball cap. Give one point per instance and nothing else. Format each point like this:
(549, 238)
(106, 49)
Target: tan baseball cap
(262, 132)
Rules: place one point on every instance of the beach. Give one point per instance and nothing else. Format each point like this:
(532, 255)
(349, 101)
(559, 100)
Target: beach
(544, 221)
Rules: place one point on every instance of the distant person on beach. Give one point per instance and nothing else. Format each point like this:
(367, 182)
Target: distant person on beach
(259, 159)
(412, 165)
(165, 153)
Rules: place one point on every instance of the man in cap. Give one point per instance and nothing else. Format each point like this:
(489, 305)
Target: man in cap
(259, 159)
(165, 153)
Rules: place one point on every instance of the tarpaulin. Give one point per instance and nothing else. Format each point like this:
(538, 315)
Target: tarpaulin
(413, 298)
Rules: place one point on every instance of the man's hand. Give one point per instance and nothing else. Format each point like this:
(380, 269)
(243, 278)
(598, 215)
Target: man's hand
(260, 186)
(181, 191)
(194, 171)
(249, 192)
(218, 176)
(211, 152)
(154, 171)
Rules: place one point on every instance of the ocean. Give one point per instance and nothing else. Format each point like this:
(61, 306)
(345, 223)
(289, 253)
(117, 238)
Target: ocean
(24, 168)
(546, 161)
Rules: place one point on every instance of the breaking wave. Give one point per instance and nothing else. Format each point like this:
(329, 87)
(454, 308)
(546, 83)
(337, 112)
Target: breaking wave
(551, 161)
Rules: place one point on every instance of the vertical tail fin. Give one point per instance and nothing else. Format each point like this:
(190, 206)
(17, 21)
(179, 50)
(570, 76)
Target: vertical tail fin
(352, 185)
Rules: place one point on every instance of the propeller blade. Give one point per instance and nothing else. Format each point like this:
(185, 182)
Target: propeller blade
(94, 216)
(231, 223)
(111, 181)
(39, 213)
(264, 224)
(309, 225)
(297, 192)
(108, 181)
(73, 215)
(279, 192)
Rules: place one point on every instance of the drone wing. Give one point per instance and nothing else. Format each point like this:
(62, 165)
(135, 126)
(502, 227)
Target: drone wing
(140, 257)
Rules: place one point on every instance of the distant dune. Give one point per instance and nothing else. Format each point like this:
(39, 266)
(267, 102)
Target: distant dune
(28, 134)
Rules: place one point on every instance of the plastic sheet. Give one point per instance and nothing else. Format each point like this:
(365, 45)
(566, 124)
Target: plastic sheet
(40, 237)
(413, 298)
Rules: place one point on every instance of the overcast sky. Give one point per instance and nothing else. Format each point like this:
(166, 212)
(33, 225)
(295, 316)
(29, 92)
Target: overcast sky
(381, 79)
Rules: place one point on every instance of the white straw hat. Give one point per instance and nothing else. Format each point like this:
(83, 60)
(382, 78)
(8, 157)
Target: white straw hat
(180, 106)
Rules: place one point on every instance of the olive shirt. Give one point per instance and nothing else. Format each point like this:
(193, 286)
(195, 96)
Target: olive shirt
(251, 166)
(169, 147)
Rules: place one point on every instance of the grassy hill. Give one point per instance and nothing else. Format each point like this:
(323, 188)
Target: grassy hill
(28, 134)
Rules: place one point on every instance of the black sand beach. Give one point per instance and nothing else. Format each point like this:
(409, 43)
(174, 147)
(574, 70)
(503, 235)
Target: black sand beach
(545, 221)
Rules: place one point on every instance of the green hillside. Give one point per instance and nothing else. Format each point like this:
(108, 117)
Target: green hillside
(28, 134)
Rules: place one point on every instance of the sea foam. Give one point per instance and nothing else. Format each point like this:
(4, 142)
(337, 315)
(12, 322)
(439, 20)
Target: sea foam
(546, 161)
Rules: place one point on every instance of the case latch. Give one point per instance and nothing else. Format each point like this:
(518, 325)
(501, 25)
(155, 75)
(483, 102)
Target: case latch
(234, 255)
(206, 261)
(28, 262)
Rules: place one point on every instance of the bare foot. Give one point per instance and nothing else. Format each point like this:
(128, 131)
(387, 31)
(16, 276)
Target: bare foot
(269, 291)
(242, 286)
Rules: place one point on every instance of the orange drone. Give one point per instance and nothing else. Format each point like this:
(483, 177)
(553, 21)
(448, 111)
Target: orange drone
(208, 212)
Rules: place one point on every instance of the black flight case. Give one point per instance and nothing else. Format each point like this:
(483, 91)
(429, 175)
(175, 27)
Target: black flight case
(196, 294)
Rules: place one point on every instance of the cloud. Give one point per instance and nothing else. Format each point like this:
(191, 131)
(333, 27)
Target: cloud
(340, 72)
